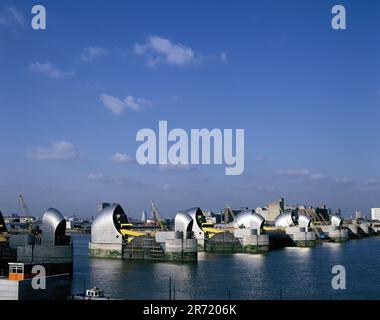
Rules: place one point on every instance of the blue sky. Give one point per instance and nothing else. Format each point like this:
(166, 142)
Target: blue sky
(307, 96)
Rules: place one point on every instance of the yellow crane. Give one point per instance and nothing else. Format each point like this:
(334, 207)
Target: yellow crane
(23, 207)
(230, 211)
(156, 216)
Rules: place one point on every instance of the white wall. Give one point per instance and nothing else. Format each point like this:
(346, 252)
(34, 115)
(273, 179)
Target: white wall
(375, 213)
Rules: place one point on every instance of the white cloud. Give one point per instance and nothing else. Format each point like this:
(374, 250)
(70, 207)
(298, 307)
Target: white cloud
(317, 176)
(161, 50)
(223, 57)
(49, 70)
(372, 182)
(96, 176)
(370, 185)
(118, 106)
(112, 180)
(265, 189)
(307, 176)
(343, 180)
(300, 173)
(91, 53)
(171, 167)
(167, 188)
(61, 150)
(10, 16)
(114, 104)
(293, 172)
(121, 158)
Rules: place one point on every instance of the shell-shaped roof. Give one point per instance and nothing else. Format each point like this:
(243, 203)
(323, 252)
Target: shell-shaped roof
(105, 228)
(248, 219)
(336, 220)
(197, 215)
(183, 222)
(304, 221)
(53, 226)
(286, 219)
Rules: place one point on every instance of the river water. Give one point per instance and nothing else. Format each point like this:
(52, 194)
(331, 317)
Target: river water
(289, 273)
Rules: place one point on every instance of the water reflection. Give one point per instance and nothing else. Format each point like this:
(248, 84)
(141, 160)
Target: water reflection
(291, 273)
(182, 278)
(298, 251)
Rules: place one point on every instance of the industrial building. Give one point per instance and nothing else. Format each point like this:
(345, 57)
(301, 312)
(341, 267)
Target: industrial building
(375, 214)
(51, 248)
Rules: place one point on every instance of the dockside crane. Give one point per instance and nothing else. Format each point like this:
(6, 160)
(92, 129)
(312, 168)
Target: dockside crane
(229, 212)
(155, 214)
(23, 207)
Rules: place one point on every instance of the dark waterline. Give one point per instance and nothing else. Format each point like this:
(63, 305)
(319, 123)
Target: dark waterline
(293, 273)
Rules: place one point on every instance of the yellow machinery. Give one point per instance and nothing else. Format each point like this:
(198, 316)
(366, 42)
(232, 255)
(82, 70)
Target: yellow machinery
(208, 228)
(269, 228)
(130, 234)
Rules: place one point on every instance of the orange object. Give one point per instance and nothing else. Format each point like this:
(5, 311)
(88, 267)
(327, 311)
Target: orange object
(16, 276)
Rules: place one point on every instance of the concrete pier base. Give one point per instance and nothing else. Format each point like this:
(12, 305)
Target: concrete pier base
(256, 244)
(223, 242)
(201, 245)
(176, 248)
(301, 237)
(106, 250)
(251, 241)
(336, 234)
(181, 250)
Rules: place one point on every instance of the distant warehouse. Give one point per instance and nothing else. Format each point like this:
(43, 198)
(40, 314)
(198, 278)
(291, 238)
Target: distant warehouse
(375, 213)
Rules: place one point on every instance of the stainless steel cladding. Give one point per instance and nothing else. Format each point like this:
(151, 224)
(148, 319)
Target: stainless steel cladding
(286, 219)
(53, 226)
(304, 221)
(197, 215)
(183, 222)
(248, 219)
(105, 227)
(336, 221)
